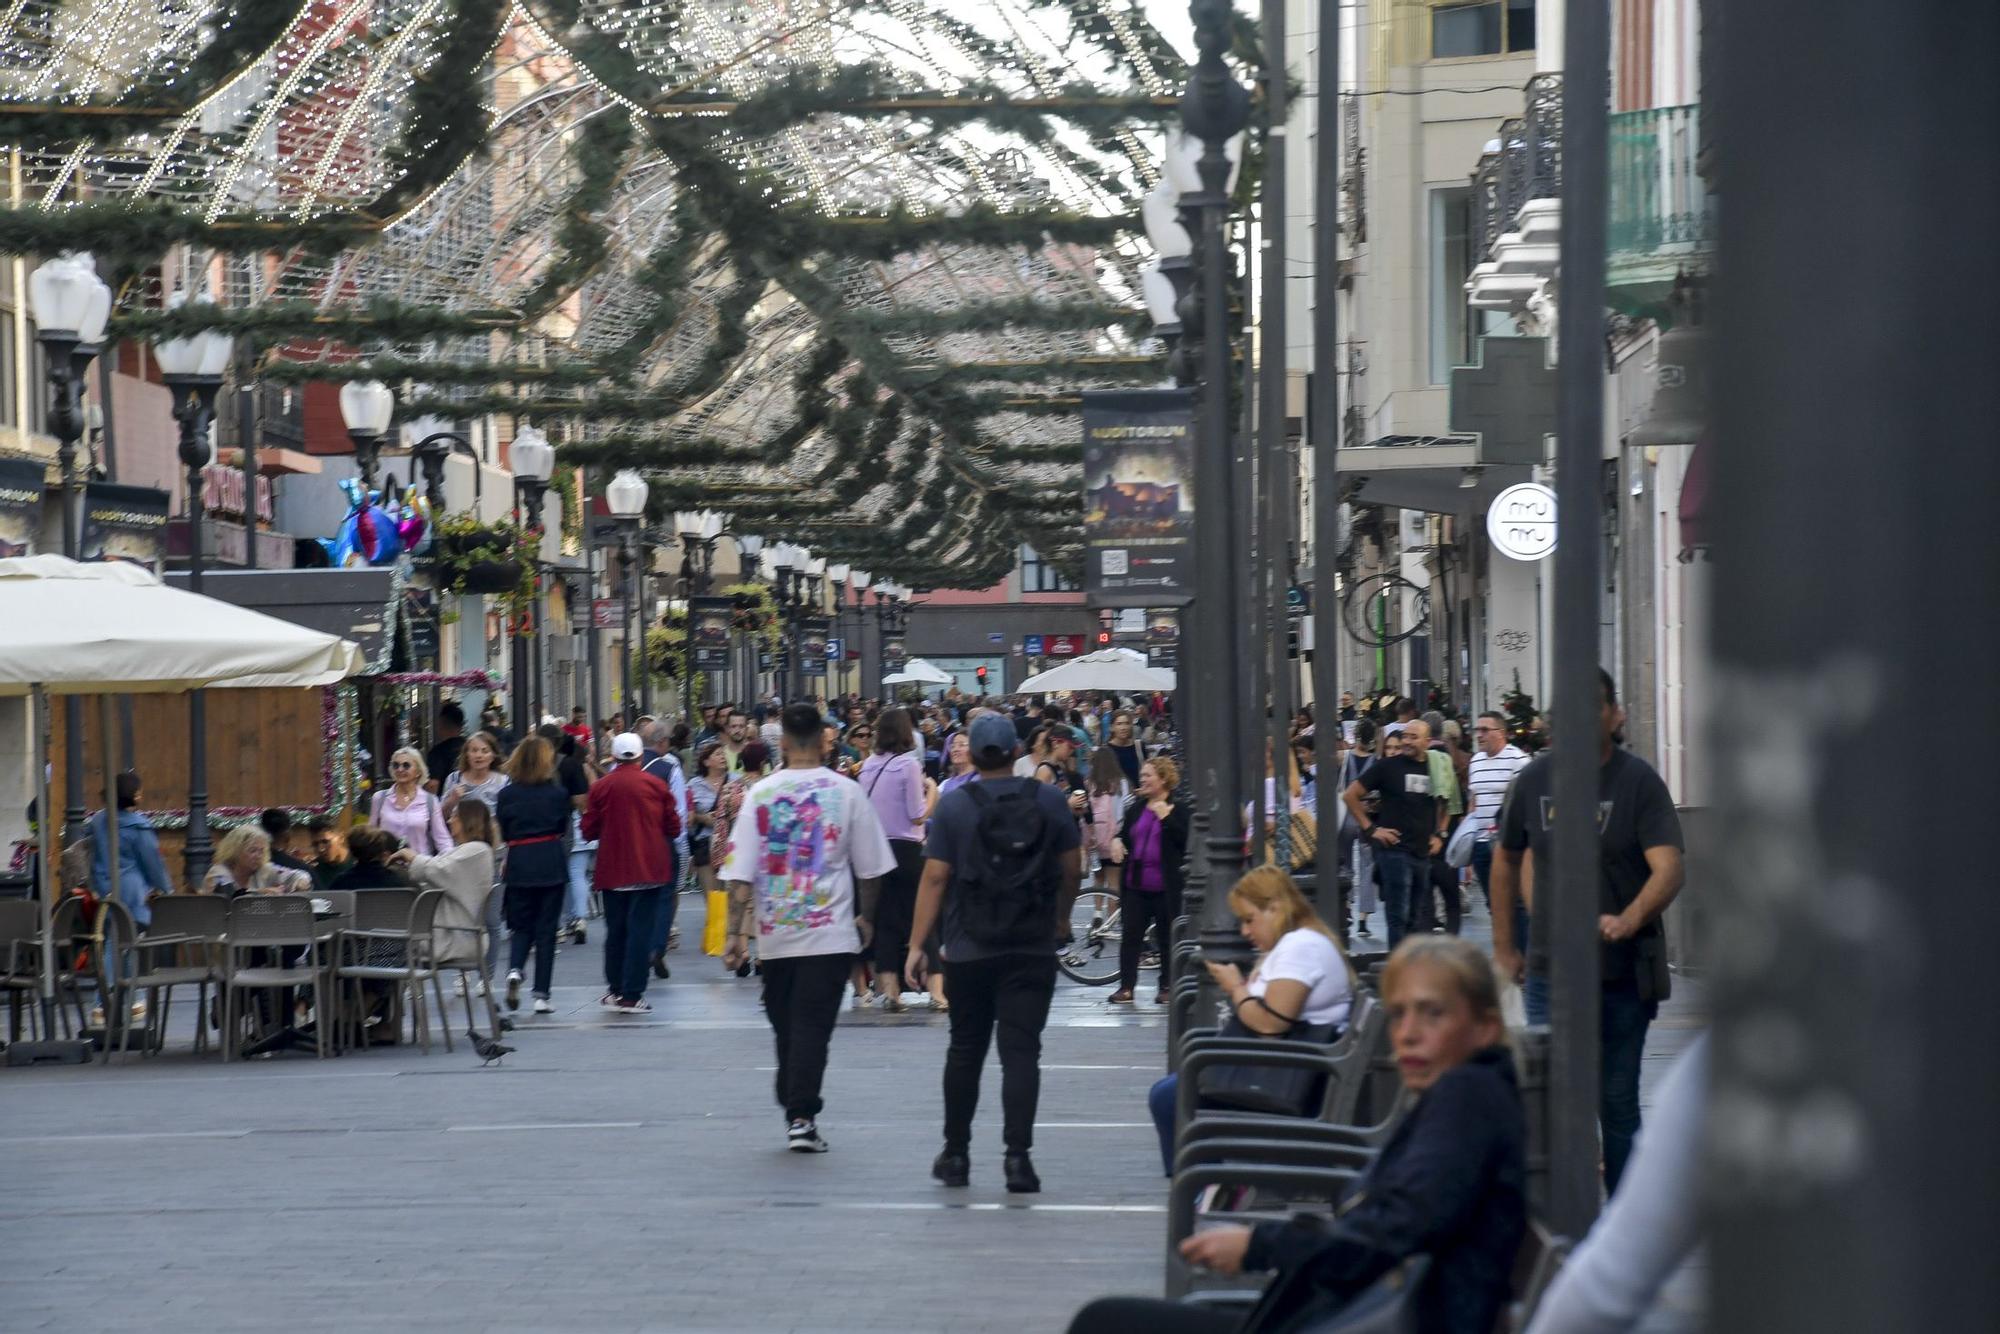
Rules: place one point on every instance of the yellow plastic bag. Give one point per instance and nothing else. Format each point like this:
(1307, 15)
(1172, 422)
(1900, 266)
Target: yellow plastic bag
(715, 931)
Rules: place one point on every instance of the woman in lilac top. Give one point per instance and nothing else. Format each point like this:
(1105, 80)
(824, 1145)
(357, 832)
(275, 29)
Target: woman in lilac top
(406, 810)
(893, 778)
(957, 763)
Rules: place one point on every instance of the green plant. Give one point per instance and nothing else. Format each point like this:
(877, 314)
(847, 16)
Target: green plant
(462, 541)
(1524, 720)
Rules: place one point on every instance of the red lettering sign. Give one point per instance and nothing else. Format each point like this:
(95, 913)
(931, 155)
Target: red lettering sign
(1064, 646)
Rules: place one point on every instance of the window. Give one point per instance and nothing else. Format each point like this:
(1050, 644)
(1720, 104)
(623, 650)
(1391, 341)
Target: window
(1455, 328)
(1484, 28)
(1038, 576)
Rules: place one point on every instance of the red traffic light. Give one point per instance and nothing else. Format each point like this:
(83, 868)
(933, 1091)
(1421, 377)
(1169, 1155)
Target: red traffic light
(981, 674)
(1104, 639)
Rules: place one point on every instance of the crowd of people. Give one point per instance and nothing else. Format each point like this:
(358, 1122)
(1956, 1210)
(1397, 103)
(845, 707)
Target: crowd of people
(859, 850)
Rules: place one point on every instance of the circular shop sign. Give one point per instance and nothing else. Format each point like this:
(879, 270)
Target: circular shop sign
(1521, 522)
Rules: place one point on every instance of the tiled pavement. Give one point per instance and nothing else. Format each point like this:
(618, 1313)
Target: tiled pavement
(612, 1175)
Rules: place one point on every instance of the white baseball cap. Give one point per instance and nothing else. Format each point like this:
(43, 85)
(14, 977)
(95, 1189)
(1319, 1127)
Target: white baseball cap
(626, 746)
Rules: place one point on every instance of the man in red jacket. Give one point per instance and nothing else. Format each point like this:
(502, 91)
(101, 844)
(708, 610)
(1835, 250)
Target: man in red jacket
(633, 818)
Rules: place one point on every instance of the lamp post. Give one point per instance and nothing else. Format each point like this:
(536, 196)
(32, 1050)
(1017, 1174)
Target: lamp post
(432, 440)
(748, 546)
(836, 578)
(859, 580)
(785, 560)
(192, 370)
(71, 306)
(533, 459)
(366, 406)
(1214, 111)
(699, 531)
(889, 623)
(626, 497)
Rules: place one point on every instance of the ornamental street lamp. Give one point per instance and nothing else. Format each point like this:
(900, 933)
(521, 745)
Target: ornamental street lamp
(859, 580)
(748, 545)
(192, 370)
(533, 459)
(699, 530)
(71, 305)
(432, 440)
(787, 563)
(366, 406)
(626, 498)
(836, 578)
(1214, 110)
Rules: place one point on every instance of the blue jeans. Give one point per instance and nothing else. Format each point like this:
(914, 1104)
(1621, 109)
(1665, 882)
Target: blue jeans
(1534, 988)
(1399, 872)
(663, 921)
(1622, 1042)
(576, 903)
(1160, 1102)
(1482, 866)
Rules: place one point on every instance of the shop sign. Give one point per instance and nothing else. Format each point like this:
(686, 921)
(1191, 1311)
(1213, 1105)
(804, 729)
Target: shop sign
(1138, 501)
(1521, 522)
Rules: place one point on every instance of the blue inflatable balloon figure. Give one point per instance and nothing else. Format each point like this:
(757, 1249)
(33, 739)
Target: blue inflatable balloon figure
(367, 535)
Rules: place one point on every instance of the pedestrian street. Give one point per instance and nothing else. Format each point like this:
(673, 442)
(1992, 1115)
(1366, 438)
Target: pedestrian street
(613, 1174)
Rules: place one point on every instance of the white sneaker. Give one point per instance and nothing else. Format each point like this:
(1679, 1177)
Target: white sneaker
(804, 1137)
(514, 989)
(542, 1005)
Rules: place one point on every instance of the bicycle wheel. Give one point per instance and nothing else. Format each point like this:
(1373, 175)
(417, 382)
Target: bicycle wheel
(1091, 955)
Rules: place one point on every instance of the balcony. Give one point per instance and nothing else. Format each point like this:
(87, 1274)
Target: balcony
(1516, 203)
(281, 418)
(1662, 216)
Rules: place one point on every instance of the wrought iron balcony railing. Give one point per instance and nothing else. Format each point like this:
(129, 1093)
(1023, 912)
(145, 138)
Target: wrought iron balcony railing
(1659, 202)
(281, 418)
(1528, 164)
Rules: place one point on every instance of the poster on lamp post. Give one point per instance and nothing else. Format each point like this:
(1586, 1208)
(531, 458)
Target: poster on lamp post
(712, 621)
(22, 483)
(126, 523)
(813, 633)
(1138, 500)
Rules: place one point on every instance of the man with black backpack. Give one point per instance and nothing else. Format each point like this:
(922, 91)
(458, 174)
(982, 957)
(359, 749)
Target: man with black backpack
(999, 861)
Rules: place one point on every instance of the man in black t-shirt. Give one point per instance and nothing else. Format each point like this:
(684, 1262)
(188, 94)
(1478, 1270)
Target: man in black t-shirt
(1639, 873)
(1407, 827)
(442, 757)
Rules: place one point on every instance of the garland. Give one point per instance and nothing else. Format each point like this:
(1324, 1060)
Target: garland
(1015, 313)
(1133, 370)
(582, 240)
(154, 226)
(434, 374)
(379, 317)
(444, 121)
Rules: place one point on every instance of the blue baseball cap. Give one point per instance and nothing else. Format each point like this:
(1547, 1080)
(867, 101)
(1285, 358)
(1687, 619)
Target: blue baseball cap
(992, 739)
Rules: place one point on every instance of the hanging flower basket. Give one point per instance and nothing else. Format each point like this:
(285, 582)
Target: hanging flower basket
(466, 545)
(491, 576)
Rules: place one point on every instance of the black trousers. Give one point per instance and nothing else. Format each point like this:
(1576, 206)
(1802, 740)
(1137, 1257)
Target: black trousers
(1011, 993)
(802, 1001)
(1150, 1315)
(896, 908)
(1136, 909)
(533, 913)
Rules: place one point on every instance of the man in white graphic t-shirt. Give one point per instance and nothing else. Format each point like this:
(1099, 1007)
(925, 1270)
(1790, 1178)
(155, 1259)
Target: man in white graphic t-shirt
(805, 857)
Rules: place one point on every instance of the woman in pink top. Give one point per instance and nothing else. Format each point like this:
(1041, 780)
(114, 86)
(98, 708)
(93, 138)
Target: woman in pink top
(406, 810)
(893, 778)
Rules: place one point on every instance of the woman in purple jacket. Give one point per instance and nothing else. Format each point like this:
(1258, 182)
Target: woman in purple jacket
(893, 778)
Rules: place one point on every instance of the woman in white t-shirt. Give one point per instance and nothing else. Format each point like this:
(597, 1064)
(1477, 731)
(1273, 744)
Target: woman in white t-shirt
(1301, 976)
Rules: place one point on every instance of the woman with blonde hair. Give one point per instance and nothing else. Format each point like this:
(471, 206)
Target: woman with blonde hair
(407, 809)
(243, 865)
(1302, 979)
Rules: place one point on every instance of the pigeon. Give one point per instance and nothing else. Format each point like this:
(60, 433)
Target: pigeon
(489, 1050)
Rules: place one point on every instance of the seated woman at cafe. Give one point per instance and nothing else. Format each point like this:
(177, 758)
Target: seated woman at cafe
(1450, 1184)
(243, 865)
(465, 874)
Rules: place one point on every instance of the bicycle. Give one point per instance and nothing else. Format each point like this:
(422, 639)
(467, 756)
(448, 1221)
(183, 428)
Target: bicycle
(1091, 954)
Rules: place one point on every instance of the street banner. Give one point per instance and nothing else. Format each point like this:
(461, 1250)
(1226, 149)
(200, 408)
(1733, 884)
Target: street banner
(22, 483)
(710, 620)
(1163, 636)
(894, 653)
(836, 650)
(607, 613)
(813, 632)
(126, 523)
(1138, 503)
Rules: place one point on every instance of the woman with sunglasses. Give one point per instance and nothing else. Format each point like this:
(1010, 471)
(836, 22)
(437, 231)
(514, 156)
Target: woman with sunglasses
(409, 812)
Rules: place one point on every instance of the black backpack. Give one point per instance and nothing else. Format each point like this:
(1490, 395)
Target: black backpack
(1007, 887)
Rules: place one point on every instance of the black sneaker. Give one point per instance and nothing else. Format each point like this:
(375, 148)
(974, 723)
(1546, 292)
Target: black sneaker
(804, 1137)
(952, 1169)
(1021, 1178)
(660, 966)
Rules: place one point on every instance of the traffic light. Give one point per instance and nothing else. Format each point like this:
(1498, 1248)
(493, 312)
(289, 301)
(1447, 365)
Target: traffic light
(1104, 639)
(980, 672)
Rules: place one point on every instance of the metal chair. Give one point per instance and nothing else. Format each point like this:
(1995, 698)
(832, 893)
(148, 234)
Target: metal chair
(414, 934)
(21, 963)
(275, 923)
(373, 924)
(181, 947)
(462, 950)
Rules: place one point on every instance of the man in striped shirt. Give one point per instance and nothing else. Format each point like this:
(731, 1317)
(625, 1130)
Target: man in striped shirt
(1495, 761)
